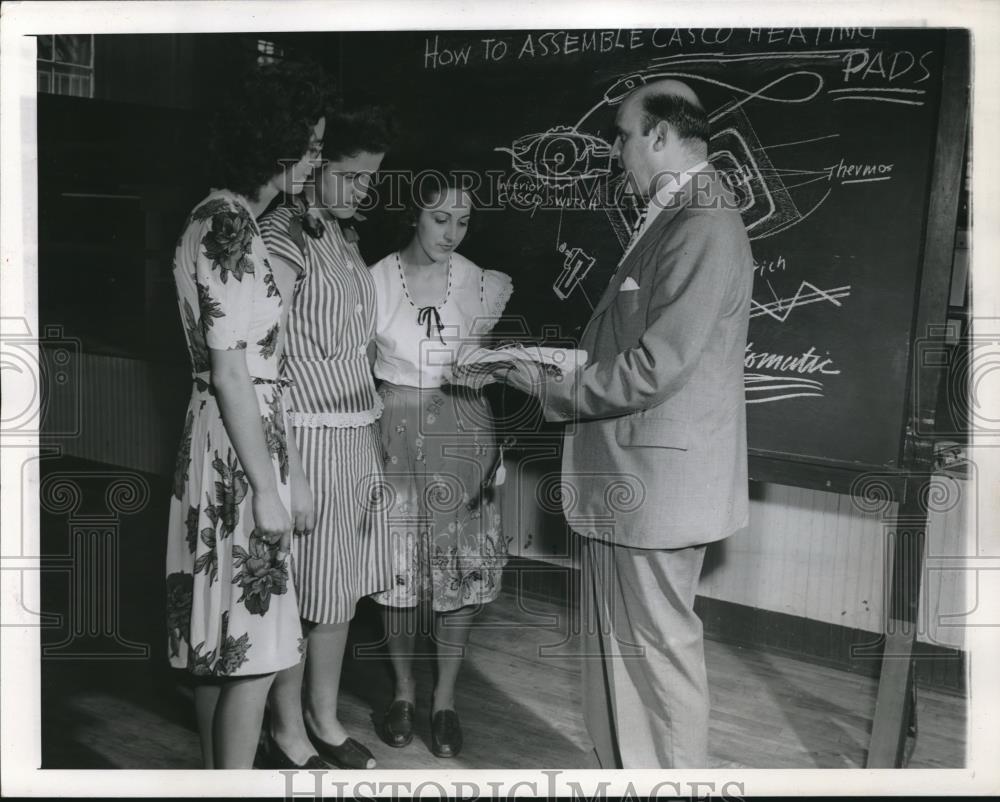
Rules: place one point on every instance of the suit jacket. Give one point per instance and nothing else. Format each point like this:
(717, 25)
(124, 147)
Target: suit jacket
(657, 455)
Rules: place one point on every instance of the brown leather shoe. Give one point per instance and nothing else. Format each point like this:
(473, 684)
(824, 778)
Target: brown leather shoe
(397, 724)
(446, 734)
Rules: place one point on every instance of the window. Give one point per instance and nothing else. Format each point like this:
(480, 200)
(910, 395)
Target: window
(66, 64)
(268, 52)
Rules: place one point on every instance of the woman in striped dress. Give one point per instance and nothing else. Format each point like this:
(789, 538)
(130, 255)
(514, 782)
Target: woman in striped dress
(333, 411)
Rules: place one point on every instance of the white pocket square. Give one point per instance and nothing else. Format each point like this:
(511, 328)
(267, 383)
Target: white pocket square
(628, 285)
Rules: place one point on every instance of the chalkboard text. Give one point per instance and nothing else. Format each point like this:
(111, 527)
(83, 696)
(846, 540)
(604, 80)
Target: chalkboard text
(857, 173)
(860, 65)
(766, 268)
(498, 48)
(806, 362)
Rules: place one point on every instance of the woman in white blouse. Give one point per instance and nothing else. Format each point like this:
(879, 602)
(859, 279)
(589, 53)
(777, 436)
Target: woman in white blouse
(440, 452)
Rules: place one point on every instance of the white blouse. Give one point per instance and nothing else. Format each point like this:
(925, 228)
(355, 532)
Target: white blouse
(417, 346)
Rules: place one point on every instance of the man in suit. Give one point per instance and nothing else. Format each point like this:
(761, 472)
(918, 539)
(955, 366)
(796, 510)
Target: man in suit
(655, 461)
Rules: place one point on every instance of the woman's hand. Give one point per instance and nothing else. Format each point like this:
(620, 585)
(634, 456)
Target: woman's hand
(303, 508)
(303, 504)
(272, 520)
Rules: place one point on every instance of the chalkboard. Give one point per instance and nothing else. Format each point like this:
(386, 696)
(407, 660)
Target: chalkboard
(827, 135)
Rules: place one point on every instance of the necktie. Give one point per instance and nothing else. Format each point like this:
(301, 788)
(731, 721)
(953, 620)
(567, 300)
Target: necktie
(638, 226)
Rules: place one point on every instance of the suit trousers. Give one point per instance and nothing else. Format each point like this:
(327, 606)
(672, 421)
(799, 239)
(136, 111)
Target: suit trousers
(645, 687)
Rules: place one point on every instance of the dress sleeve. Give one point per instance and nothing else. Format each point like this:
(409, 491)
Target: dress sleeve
(226, 274)
(282, 233)
(495, 290)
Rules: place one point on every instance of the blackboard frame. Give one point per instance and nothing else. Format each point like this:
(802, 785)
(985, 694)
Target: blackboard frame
(895, 704)
(908, 485)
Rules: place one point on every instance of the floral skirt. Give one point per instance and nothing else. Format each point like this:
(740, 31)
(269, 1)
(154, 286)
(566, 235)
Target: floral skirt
(231, 603)
(440, 452)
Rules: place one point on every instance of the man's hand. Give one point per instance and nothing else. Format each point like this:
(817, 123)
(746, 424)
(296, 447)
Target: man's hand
(528, 377)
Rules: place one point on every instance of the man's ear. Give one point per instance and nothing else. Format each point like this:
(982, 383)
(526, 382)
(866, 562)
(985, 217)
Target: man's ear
(662, 134)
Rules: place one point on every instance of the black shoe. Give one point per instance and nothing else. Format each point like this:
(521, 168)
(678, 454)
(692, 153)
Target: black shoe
(348, 755)
(446, 734)
(271, 756)
(397, 724)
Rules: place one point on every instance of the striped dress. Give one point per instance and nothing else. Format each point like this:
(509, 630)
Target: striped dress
(333, 409)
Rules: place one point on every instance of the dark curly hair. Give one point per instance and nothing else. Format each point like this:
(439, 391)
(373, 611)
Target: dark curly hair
(424, 190)
(366, 128)
(266, 122)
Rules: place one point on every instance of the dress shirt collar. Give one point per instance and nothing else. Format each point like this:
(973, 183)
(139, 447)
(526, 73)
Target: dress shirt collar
(661, 200)
(664, 196)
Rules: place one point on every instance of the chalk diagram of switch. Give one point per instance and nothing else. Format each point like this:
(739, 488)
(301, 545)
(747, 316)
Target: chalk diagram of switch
(564, 155)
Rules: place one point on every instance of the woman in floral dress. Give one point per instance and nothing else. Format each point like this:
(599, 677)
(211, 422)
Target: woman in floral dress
(333, 412)
(448, 546)
(232, 616)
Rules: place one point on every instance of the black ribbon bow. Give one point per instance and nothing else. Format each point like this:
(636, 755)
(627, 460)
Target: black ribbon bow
(428, 316)
(313, 227)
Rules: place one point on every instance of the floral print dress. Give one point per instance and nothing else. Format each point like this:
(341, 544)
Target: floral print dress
(440, 450)
(231, 605)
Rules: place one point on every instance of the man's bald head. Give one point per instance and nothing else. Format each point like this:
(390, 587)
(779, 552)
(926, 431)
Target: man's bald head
(669, 86)
(662, 129)
(674, 103)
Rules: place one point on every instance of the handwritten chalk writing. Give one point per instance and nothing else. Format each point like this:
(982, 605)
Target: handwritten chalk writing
(861, 61)
(886, 65)
(762, 268)
(791, 36)
(776, 35)
(575, 201)
(807, 362)
(520, 192)
(678, 37)
(841, 170)
(527, 193)
(494, 49)
(555, 43)
(826, 35)
(762, 388)
(435, 56)
(781, 308)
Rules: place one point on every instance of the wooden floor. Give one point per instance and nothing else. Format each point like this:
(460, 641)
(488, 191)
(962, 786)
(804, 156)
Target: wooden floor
(519, 704)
